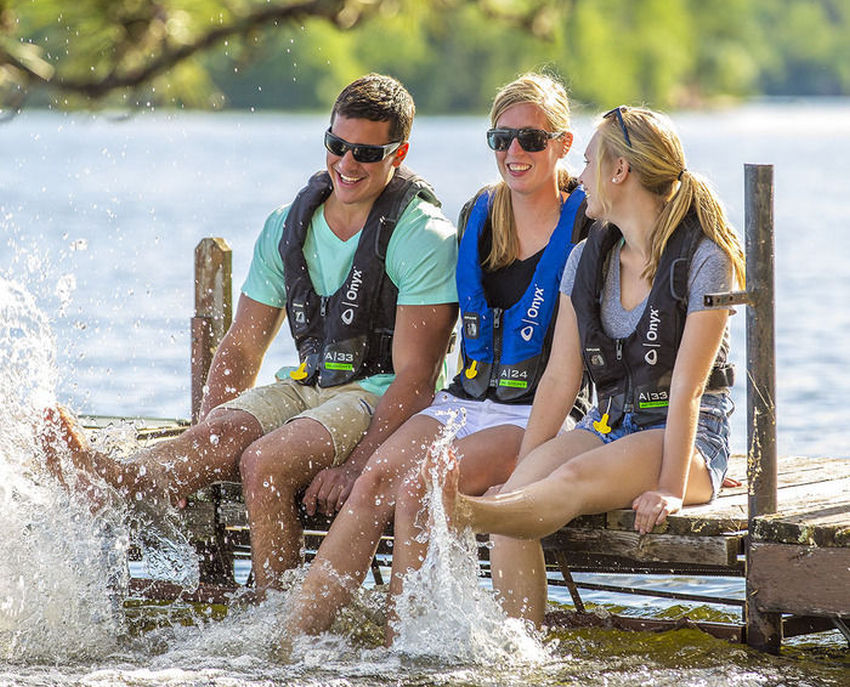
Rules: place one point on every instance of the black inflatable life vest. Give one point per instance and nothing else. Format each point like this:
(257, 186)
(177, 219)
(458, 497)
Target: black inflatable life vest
(348, 335)
(633, 374)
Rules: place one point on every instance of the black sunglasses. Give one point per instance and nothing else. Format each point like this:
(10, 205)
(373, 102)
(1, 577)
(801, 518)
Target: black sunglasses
(617, 111)
(530, 140)
(361, 152)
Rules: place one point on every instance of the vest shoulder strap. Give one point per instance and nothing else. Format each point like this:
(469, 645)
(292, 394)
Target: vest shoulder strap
(391, 204)
(582, 223)
(466, 211)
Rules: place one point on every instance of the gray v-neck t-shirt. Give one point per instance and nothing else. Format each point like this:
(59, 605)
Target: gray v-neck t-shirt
(710, 272)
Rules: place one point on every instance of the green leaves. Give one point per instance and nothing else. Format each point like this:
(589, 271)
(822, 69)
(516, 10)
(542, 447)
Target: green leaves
(452, 54)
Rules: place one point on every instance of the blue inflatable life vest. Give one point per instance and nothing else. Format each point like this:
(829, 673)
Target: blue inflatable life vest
(504, 351)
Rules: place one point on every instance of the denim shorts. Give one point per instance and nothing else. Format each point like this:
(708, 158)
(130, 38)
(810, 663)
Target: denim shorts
(712, 438)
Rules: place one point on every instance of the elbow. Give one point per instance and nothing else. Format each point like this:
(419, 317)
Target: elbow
(419, 388)
(689, 391)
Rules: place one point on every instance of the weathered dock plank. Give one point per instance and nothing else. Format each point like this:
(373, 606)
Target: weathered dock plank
(655, 548)
(805, 580)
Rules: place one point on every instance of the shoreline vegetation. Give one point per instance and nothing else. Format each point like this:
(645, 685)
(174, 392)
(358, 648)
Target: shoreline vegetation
(717, 105)
(671, 54)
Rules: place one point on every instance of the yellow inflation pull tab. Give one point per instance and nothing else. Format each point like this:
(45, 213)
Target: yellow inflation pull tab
(472, 370)
(300, 372)
(601, 426)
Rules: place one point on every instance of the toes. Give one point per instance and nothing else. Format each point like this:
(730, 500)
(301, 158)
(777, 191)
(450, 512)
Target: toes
(61, 432)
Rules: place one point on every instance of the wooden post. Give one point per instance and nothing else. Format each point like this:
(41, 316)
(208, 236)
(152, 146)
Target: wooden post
(764, 630)
(213, 311)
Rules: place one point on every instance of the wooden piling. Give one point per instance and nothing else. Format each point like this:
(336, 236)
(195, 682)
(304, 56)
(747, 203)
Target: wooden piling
(764, 630)
(213, 310)
(213, 314)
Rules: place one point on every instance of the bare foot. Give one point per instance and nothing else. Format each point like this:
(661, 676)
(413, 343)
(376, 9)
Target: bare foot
(62, 434)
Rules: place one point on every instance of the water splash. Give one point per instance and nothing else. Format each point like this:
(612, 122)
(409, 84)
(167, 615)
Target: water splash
(60, 576)
(444, 612)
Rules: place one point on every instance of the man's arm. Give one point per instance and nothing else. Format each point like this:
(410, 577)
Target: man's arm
(240, 355)
(419, 348)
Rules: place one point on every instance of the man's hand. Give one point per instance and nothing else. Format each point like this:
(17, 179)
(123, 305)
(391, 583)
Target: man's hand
(652, 508)
(329, 490)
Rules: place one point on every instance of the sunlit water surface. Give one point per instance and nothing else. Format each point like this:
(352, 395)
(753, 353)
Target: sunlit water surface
(99, 219)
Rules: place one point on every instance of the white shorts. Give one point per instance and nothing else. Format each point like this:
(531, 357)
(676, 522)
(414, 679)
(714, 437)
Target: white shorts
(474, 416)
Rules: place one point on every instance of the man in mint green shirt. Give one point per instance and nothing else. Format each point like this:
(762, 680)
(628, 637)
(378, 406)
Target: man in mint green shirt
(361, 267)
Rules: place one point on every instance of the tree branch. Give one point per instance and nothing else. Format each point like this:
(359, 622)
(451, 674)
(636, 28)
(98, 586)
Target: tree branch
(343, 13)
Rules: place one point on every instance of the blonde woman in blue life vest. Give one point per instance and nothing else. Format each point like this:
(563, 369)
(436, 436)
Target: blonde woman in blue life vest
(632, 316)
(517, 235)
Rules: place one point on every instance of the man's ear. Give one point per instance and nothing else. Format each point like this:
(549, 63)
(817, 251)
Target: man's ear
(401, 153)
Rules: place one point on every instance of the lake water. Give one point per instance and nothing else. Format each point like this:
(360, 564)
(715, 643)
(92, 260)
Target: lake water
(99, 217)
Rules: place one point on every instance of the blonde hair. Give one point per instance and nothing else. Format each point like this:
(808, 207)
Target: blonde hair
(656, 157)
(551, 97)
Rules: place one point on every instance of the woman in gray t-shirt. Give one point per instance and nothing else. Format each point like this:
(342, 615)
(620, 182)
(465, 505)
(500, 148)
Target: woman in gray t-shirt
(632, 318)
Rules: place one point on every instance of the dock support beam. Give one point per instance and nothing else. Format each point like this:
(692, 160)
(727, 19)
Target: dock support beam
(213, 311)
(764, 630)
(213, 314)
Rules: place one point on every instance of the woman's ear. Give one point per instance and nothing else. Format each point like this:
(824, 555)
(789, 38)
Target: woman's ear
(621, 171)
(567, 142)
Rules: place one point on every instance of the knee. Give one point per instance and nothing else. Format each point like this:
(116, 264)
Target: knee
(225, 427)
(570, 474)
(263, 472)
(252, 470)
(374, 484)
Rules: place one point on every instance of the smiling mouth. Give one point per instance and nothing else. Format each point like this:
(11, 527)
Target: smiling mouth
(518, 167)
(346, 179)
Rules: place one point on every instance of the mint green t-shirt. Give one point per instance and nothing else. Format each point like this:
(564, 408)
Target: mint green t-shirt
(421, 259)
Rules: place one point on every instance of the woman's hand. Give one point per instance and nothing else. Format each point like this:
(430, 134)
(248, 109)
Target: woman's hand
(652, 508)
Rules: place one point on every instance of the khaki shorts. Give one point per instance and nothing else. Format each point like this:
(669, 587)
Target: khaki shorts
(344, 411)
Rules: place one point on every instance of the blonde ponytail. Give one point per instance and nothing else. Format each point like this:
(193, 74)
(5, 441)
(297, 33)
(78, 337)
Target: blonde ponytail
(656, 157)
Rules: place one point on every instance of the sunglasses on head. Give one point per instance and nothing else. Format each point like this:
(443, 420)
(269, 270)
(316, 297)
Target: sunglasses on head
(361, 152)
(530, 140)
(618, 112)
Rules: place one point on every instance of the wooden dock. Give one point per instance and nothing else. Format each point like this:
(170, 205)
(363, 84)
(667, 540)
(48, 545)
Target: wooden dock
(785, 529)
(799, 568)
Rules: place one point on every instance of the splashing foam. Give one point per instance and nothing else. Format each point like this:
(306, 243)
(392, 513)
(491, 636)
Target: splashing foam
(61, 570)
(443, 612)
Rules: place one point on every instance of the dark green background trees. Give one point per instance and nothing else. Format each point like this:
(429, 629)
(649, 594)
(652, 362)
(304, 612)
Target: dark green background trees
(452, 54)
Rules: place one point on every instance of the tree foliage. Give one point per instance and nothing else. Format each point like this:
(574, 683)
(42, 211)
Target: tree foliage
(452, 54)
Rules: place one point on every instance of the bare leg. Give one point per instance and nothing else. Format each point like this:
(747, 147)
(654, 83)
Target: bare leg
(274, 470)
(344, 556)
(206, 453)
(517, 565)
(530, 506)
(485, 458)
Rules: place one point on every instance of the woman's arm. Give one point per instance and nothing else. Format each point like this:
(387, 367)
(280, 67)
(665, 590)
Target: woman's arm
(700, 342)
(556, 393)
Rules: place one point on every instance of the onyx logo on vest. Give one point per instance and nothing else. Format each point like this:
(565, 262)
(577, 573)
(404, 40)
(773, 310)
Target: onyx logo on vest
(351, 294)
(651, 342)
(533, 313)
(300, 315)
(470, 325)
